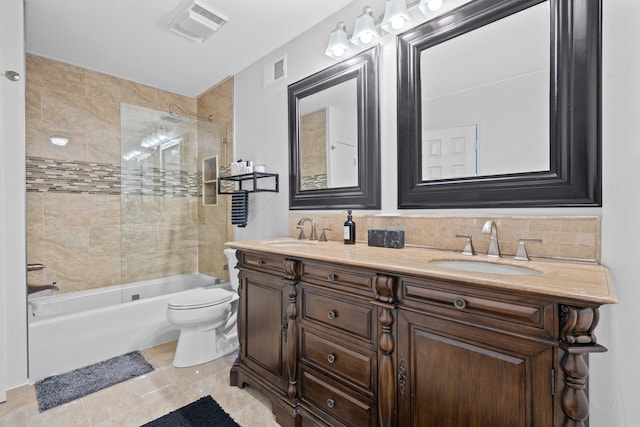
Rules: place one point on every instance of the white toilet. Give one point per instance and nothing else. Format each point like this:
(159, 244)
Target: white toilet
(207, 319)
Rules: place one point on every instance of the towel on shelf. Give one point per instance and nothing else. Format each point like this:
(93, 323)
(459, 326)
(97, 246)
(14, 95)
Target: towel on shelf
(240, 208)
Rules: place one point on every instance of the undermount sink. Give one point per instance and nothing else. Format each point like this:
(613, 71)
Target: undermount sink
(484, 267)
(288, 244)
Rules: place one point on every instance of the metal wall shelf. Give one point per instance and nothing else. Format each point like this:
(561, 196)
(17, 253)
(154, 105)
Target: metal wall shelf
(250, 178)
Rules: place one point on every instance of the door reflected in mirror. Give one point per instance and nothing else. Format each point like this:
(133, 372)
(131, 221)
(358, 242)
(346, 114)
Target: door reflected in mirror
(329, 138)
(485, 99)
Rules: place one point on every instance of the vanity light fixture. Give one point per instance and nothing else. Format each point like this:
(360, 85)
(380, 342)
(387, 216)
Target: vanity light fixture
(365, 33)
(396, 16)
(427, 6)
(60, 141)
(338, 46)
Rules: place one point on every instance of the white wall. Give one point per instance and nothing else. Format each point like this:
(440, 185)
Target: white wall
(261, 135)
(615, 376)
(13, 335)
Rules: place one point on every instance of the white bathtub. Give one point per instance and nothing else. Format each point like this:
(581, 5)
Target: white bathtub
(72, 330)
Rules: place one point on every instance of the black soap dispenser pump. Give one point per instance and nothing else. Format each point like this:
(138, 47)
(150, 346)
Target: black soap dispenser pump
(349, 230)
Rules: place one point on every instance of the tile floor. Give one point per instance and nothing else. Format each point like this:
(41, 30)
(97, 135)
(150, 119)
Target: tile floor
(142, 399)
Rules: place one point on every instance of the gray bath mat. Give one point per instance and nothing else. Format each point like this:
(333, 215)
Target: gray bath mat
(58, 389)
(204, 412)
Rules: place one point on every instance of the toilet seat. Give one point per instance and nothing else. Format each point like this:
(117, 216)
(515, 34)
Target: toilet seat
(200, 299)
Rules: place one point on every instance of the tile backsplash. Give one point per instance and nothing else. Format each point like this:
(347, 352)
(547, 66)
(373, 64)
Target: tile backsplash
(563, 238)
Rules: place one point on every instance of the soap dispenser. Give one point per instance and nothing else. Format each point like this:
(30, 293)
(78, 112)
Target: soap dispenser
(349, 230)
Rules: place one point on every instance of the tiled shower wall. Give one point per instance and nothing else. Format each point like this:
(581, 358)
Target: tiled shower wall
(214, 222)
(74, 215)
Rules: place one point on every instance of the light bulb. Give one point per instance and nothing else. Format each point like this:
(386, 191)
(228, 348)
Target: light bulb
(397, 23)
(338, 51)
(366, 38)
(434, 4)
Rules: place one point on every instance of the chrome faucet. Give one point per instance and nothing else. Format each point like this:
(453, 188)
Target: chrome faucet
(35, 267)
(300, 226)
(52, 288)
(491, 228)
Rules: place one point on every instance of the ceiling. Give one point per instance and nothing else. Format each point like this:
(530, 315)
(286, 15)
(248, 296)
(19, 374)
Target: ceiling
(130, 39)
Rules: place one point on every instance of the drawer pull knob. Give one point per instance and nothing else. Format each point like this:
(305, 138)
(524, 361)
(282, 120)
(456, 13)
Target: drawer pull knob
(331, 315)
(258, 262)
(331, 277)
(331, 403)
(331, 358)
(460, 303)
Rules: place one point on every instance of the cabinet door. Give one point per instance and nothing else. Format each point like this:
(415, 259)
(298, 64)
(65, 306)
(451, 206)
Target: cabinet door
(456, 375)
(263, 314)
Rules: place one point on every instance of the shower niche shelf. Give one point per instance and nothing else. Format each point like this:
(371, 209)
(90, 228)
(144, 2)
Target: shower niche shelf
(210, 181)
(256, 182)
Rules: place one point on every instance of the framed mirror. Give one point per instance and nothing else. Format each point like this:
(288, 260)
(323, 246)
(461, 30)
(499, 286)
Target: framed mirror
(334, 142)
(499, 106)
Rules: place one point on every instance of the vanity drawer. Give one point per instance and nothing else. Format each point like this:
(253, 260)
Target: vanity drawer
(336, 400)
(261, 261)
(336, 276)
(353, 366)
(344, 315)
(497, 309)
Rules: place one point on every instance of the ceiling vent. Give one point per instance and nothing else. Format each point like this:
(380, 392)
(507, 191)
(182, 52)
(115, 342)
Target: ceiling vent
(275, 71)
(197, 22)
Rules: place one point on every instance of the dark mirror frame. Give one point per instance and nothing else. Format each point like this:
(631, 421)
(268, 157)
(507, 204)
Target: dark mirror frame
(366, 195)
(574, 178)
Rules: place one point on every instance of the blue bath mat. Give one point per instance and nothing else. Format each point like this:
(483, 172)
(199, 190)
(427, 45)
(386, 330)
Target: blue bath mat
(204, 412)
(58, 389)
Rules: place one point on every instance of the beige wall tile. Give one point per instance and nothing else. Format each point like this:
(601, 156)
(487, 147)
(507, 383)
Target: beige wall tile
(35, 209)
(164, 98)
(39, 144)
(71, 110)
(573, 238)
(33, 101)
(115, 90)
(217, 98)
(55, 75)
(105, 240)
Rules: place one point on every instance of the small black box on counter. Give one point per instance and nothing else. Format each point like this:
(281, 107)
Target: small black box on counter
(386, 238)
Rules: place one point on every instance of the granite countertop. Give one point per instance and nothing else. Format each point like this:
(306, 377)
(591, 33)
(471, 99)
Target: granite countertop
(580, 281)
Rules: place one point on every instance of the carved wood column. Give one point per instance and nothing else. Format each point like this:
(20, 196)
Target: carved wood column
(577, 341)
(291, 326)
(385, 291)
(233, 375)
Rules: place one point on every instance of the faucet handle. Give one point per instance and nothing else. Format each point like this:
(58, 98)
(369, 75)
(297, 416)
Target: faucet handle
(301, 236)
(323, 235)
(522, 255)
(35, 267)
(468, 247)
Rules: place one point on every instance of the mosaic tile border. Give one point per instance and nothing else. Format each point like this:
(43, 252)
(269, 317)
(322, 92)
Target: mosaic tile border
(73, 176)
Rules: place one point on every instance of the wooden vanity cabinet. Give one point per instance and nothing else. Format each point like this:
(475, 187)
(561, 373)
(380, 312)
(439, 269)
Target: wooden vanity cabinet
(337, 353)
(469, 358)
(263, 321)
(339, 345)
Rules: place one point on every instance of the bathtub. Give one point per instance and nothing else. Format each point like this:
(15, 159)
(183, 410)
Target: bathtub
(72, 330)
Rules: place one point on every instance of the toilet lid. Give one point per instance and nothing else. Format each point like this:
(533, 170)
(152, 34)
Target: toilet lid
(200, 299)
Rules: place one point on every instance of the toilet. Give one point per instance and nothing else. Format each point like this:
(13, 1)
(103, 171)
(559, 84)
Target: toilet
(207, 319)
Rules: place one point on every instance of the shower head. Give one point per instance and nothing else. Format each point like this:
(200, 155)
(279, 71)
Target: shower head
(173, 118)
